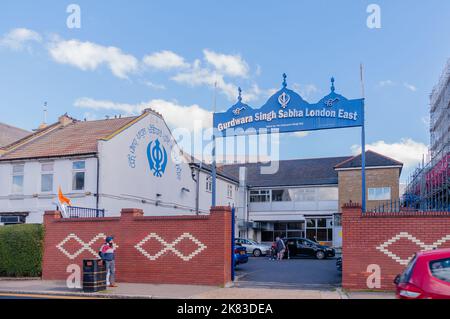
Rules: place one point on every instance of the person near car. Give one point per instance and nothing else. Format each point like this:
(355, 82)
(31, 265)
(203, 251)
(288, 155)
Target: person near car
(107, 253)
(273, 251)
(281, 248)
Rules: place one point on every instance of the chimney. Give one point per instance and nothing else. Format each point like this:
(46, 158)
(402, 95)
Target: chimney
(65, 120)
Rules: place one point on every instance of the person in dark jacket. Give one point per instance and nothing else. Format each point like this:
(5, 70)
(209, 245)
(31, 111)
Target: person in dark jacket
(281, 248)
(107, 253)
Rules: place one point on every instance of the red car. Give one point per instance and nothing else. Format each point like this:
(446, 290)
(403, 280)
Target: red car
(427, 276)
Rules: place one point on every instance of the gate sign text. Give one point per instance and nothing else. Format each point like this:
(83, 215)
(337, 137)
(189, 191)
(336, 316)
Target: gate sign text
(286, 111)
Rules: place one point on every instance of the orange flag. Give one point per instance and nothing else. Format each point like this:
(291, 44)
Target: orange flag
(62, 198)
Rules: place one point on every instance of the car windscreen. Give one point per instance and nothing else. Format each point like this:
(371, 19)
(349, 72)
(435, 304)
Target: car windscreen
(406, 275)
(440, 269)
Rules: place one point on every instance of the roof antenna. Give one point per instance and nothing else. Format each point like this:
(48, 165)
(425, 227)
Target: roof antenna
(45, 113)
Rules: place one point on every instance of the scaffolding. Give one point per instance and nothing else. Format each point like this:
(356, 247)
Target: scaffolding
(428, 188)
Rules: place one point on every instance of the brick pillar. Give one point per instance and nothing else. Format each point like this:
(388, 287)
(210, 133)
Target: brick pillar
(51, 215)
(223, 216)
(131, 212)
(351, 217)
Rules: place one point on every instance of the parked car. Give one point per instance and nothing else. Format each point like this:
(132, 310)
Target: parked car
(302, 247)
(427, 276)
(240, 255)
(254, 248)
(339, 264)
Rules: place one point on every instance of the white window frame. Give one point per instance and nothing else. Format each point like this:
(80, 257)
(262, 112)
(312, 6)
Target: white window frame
(371, 193)
(267, 193)
(78, 170)
(229, 191)
(17, 174)
(47, 172)
(208, 185)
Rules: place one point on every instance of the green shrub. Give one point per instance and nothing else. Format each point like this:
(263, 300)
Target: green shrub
(21, 248)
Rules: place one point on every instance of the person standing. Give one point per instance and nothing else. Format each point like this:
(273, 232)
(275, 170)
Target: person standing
(107, 253)
(281, 248)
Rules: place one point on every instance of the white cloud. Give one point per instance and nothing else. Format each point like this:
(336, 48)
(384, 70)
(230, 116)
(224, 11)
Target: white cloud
(89, 56)
(155, 86)
(231, 65)
(198, 75)
(386, 83)
(176, 115)
(20, 38)
(165, 60)
(407, 151)
(307, 91)
(410, 87)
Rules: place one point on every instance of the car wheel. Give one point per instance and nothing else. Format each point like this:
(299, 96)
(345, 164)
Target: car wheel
(320, 255)
(256, 252)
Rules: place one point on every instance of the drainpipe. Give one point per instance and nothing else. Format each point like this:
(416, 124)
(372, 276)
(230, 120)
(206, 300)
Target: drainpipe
(197, 192)
(98, 182)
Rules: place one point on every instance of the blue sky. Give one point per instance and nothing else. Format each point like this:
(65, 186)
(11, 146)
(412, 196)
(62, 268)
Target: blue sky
(166, 54)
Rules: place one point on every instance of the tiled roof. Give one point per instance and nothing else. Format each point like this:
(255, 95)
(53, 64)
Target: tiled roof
(297, 172)
(372, 159)
(76, 138)
(302, 172)
(10, 134)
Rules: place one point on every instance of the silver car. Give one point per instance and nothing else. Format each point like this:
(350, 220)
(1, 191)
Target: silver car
(253, 247)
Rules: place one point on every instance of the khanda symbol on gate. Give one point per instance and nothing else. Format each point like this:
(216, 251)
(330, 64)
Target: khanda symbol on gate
(157, 158)
(284, 100)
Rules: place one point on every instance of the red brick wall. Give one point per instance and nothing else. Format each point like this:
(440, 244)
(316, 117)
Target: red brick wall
(363, 233)
(211, 266)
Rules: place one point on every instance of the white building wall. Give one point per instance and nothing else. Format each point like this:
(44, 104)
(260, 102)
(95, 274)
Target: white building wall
(34, 201)
(122, 183)
(126, 179)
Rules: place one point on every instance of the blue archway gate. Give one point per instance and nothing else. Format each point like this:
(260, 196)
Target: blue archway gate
(286, 111)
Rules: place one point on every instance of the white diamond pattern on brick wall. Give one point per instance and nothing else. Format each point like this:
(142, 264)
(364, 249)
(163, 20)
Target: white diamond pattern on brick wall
(170, 246)
(84, 246)
(383, 247)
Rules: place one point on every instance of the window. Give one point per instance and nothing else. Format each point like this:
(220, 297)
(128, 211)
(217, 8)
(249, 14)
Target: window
(441, 269)
(230, 191)
(259, 196)
(78, 175)
(338, 220)
(209, 184)
(12, 219)
(407, 273)
(320, 229)
(380, 193)
(17, 179)
(281, 195)
(303, 194)
(284, 229)
(47, 177)
(328, 193)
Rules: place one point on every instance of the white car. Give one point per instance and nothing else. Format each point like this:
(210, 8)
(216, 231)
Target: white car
(253, 247)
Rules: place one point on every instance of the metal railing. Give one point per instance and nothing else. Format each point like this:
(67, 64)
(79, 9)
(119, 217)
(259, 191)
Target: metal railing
(83, 212)
(408, 205)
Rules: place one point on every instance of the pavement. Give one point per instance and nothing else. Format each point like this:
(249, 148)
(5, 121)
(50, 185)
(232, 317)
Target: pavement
(12, 289)
(302, 273)
(260, 278)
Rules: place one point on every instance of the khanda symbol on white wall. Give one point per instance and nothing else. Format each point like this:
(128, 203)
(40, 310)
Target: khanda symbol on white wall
(157, 158)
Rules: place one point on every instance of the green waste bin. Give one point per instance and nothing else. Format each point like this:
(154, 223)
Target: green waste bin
(94, 275)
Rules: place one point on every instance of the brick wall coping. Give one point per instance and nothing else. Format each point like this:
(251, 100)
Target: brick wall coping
(405, 214)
